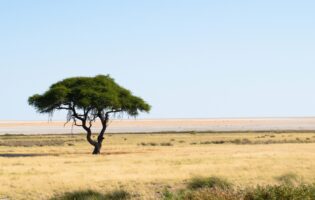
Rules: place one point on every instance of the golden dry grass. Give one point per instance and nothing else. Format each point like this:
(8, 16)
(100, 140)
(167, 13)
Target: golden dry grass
(146, 170)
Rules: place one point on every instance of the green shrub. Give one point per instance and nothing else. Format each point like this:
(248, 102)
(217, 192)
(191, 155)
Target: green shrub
(117, 195)
(92, 195)
(211, 182)
(213, 142)
(142, 144)
(202, 194)
(152, 144)
(211, 194)
(166, 144)
(281, 192)
(277, 192)
(218, 142)
(156, 144)
(215, 188)
(241, 141)
(206, 142)
(236, 141)
(288, 178)
(168, 195)
(148, 144)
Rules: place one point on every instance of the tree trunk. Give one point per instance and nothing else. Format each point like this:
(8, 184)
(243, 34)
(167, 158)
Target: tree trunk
(100, 138)
(97, 149)
(98, 145)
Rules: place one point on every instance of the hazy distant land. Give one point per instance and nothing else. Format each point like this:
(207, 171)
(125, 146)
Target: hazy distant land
(163, 125)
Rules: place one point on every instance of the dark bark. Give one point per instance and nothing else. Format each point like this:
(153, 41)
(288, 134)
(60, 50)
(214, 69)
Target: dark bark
(98, 145)
(97, 149)
(100, 138)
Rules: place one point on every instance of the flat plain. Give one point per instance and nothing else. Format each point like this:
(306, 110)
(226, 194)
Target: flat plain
(42, 166)
(163, 125)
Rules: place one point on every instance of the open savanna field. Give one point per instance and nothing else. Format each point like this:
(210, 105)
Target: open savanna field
(43, 166)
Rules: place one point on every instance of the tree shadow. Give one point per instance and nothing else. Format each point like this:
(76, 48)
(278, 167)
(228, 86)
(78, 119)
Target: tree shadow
(16, 155)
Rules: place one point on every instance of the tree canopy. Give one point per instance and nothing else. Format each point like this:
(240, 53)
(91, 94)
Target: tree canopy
(97, 94)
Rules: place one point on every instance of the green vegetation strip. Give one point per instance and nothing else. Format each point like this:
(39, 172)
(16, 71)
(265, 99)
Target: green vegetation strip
(215, 188)
(212, 188)
(92, 195)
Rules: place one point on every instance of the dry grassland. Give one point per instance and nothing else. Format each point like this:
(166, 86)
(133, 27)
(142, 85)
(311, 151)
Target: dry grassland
(38, 167)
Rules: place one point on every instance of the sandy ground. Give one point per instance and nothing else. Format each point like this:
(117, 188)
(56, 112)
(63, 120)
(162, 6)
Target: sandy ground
(160, 125)
(40, 172)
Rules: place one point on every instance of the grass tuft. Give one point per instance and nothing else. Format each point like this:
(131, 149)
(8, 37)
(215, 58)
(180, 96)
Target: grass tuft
(211, 182)
(288, 178)
(166, 144)
(92, 195)
(215, 188)
(155, 144)
(281, 192)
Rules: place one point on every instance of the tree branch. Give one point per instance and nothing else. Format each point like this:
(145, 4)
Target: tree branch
(76, 115)
(113, 111)
(76, 124)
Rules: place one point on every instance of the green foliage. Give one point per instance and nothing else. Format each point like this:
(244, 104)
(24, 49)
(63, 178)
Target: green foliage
(201, 194)
(92, 195)
(281, 192)
(96, 93)
(166, 144)
(156, 144)
(117, 195)
(211, 182)
(219, 189)
(276, 192)
(168, 195)
(288, 178)
(242, 141)
(211, 194)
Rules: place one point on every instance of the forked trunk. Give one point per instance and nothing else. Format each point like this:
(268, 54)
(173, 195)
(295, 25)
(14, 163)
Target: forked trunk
(100, 138)
(97, 144)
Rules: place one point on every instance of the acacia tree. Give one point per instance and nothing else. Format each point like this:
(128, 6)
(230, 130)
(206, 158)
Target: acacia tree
(88, 99)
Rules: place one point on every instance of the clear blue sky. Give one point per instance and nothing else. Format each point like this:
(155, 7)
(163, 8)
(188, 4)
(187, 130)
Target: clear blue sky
(188, 59)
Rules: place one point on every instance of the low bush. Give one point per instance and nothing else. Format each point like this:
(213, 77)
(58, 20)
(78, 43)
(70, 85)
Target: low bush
(156, 144)
(206, 142)
(92, 195)
(211, 194)
(244, 141)
(241, 141)
(288, 178)
(281, 192)
(148, 144)
(214, 188)
(211, 182)
(201, 194)
(117, 195)
(166, 144)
